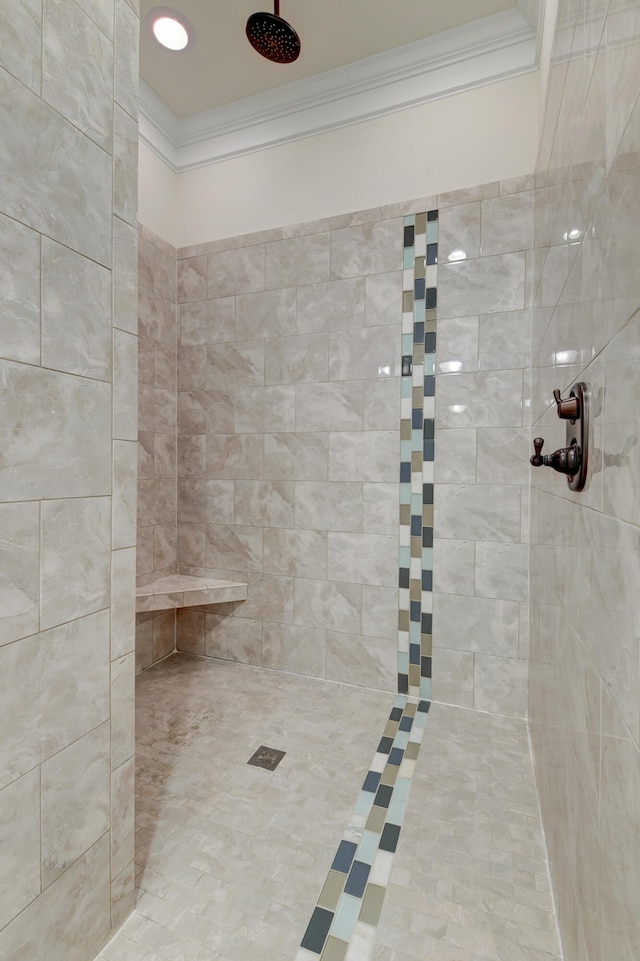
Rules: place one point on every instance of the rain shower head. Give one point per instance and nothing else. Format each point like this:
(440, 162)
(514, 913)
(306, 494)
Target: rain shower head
(273, 37)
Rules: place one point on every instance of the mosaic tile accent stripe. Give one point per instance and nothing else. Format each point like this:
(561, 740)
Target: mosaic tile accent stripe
(419, 323)
(344, 924)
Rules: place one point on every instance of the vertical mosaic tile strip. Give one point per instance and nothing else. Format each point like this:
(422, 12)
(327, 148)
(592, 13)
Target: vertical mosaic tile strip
(344, 925)
(419, 322)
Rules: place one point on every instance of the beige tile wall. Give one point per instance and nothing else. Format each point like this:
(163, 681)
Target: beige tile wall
(288, 445)
(68, 354)
(288, 448)
(585, 548)
(481, 563)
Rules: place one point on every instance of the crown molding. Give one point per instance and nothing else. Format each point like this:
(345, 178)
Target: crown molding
(494, 48)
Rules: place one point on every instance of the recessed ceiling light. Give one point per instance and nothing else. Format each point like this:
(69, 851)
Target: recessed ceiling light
(170, 29)
(457, 255)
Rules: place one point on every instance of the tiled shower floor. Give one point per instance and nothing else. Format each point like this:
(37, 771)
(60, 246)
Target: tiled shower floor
(232, 858)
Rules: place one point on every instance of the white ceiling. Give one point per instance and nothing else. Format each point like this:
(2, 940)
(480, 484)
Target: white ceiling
(360, 59)
(222, 67)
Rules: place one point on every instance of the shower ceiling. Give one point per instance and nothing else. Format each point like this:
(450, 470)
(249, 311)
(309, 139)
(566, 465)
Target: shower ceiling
(223, 67)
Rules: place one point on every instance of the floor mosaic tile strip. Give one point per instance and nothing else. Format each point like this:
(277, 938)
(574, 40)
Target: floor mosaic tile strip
(419, 322)
(344, 924)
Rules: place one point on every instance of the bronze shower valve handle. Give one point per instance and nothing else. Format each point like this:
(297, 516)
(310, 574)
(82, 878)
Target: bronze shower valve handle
(565, 460)
(572, 460)
(536, 460)
(569, 408)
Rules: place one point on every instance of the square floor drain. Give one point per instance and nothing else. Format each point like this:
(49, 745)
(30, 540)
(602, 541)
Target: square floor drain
(266, 757)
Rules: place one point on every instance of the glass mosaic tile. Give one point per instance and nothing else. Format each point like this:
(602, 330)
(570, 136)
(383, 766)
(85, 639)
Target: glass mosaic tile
(317, 931)
(356, 884)
(348, 910)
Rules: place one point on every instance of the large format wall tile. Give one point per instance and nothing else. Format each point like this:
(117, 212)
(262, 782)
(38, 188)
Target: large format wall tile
(329, 406)
(230, 548)
(502, 570)
(68, 298)
(123, 531)
(481, 286)
(337, 305)
(21, 52)
(101, 12)
(327, 605)
(233, 638)
(298, 553)
(459, 231)
(20, 843)
(584, 683)
(477, 624)
(372, 248)
(500, 685)
(122, 710)
(367, 661)
(122, 823)
(264, 503)
(504, 340)
(507, 223)
(19, 570)
(365, 354)
(71, 920)
(236, 272)
(329, 506)
(125, 168)
(268, 313)
(294, 360)
(482, 399)
(269, 598)
(383, 293)
(126, 73)
(125, 385)
(296, 650)
(72, 203)
(75, 46)
(76, 539)
(58, 683)
(265, 410)
(234, 455)
(208, 321)
(20, 290)
(62, 420)
(483, 513)
(123, 602)
(364, 456)
(363, 558)
(380, 508)
(298, 261)
(296, 456)
(453, 681)
(75, 807)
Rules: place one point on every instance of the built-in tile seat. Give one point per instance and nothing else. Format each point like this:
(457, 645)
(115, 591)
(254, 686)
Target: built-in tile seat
(181, 590)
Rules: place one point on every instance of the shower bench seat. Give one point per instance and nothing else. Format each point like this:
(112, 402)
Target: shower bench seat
(181, 590)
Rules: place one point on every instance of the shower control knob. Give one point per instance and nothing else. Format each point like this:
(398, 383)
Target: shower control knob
(569, 408)
(565, 460)
(536, 459)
